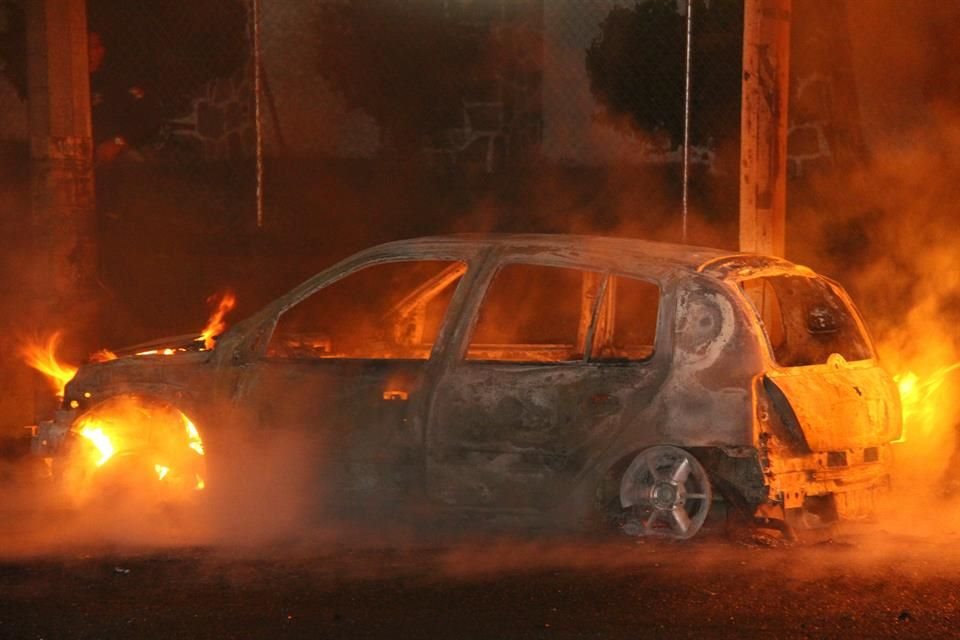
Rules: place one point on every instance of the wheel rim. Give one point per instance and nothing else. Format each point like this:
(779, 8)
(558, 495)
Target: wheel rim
(665, 492)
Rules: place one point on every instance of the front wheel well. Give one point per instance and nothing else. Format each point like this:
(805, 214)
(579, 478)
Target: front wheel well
(132, 439)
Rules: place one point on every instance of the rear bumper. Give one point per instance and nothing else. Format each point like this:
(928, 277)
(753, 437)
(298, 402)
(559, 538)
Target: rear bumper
(837, 485)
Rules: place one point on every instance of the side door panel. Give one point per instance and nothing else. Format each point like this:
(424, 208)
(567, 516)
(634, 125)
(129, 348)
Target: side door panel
(345, 424)
(344, 375)
(518, 434)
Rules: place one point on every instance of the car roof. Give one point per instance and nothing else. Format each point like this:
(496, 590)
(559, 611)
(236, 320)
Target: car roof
(624, 254)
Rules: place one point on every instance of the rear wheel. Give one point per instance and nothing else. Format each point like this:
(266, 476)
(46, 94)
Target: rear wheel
(665, 492)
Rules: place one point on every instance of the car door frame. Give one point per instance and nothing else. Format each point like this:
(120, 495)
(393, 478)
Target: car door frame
(254, 335)
(658, 365)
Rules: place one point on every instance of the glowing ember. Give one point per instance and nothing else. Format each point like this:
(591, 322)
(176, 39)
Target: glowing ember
(103, 355)
(224, 302)
(42, 356)
(160, 352)
(193, 437)
(99, 439)
(918, 399)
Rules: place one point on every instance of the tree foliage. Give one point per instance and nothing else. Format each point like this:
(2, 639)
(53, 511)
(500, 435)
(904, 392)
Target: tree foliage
(636, 67)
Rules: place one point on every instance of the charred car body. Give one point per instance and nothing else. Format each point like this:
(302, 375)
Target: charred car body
(566, 379)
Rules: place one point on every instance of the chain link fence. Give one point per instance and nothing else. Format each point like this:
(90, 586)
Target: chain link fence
(387, 118)
(261, 145)
(485, 87)
(378, 118)
(247, 144)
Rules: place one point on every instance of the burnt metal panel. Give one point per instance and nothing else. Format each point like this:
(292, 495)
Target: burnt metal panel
(842, 406)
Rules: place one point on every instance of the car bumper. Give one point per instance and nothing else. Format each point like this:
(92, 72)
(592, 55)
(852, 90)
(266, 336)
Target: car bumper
(50, 435)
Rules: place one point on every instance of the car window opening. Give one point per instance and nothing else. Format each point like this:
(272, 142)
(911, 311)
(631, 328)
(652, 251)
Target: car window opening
(545, 314)
(626, 330)
(391, 310)
(805, 320)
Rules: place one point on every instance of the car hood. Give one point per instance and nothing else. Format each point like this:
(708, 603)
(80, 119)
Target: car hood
(174, 344)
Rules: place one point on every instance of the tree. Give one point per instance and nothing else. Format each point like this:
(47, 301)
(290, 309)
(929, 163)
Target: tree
(636, 67)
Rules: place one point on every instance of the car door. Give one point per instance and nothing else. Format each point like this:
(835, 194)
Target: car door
(344, 374)
(522, 410)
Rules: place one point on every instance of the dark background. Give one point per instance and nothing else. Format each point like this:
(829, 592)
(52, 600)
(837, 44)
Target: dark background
(387, 119)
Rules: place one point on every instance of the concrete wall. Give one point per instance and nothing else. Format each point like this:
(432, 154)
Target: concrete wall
(13, 114)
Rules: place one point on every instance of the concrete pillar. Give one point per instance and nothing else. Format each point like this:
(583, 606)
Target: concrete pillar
(60, 272)
(763, 126)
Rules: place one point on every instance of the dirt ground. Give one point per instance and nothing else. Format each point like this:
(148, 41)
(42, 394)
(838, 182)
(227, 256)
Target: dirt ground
(899, 578)
(504, 588)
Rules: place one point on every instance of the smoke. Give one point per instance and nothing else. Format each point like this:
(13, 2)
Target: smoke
(887, 230)
(264, 484)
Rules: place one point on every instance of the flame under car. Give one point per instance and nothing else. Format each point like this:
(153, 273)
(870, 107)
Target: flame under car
(562, 380)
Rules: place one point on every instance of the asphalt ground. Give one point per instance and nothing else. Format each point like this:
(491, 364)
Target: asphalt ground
(67, 573)
(506, 587)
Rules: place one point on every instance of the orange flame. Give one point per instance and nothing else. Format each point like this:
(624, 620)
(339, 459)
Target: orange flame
(99, 439)
(224, 301)
(918, 399)
(103, 355)
(42, 356)
(147, 436)
(193, 436)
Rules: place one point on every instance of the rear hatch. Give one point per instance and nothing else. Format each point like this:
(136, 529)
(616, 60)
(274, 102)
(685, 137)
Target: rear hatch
(826, 369)
(841, 406)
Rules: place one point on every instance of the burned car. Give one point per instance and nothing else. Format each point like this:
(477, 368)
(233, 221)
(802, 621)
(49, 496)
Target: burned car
(566, 380)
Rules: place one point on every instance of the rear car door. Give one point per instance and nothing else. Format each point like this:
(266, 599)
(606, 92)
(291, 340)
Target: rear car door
(552, 360)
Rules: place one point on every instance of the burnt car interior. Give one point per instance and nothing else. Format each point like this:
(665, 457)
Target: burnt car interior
(537, 313)
(805, 321)
(529, 313)
(392, 310)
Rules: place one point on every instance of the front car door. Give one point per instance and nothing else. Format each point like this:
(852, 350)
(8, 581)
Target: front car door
(343, 376)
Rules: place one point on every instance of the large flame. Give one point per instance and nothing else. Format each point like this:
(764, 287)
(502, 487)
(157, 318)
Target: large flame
(155, 438)
(42, 356)
(224, 303)
(922, 413)
(100, 440)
